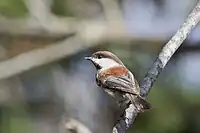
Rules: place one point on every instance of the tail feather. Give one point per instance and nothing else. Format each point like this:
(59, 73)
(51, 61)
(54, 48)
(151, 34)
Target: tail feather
(140, 103)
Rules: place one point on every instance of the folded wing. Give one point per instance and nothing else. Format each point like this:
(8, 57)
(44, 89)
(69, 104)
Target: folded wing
(122, 83)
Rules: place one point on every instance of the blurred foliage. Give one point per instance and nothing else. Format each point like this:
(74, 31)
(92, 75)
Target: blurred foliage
(174, 110)
(13, 8)
(59, 8)
(17, 8)
(14, 119)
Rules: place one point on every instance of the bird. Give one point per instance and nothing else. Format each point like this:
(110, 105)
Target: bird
(117, 81)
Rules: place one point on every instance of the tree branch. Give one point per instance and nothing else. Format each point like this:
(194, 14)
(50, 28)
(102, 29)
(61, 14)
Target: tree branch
(168, 50)
(54, 27)
(76, 126)
(42, 56)
(39, 9)
(113, 16)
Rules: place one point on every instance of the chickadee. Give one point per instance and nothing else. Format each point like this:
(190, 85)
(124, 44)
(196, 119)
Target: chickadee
(115, 79)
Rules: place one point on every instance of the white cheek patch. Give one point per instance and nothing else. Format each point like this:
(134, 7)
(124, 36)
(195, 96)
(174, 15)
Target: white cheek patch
(107, 63)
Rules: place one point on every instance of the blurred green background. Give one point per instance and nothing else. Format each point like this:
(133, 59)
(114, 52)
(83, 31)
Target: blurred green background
(175, 96)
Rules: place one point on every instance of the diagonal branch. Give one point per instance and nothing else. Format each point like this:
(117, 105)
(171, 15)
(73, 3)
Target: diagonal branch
(42, 56)
(168, 50)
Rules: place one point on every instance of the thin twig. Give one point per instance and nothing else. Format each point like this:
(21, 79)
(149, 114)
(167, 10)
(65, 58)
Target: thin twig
(168, 50)
(113, 16)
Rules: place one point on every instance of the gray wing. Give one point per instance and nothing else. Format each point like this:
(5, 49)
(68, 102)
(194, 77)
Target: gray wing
(122, 83)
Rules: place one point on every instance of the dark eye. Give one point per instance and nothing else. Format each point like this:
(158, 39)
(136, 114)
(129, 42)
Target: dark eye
(99, 56)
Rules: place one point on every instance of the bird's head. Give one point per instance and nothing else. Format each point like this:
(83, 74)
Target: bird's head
(104, 60)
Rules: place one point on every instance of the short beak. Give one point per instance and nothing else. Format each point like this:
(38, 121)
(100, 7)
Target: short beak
(88, 58)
